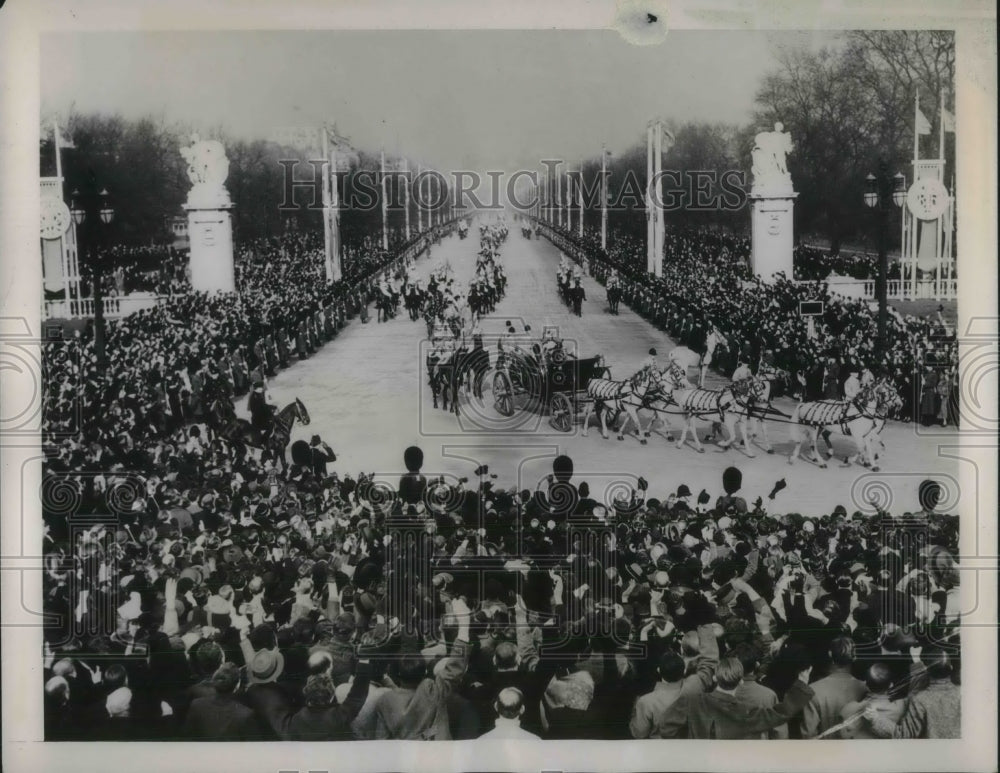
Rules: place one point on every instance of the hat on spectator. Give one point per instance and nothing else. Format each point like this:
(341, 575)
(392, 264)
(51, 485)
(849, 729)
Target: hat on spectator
(118, 702)
(683, 491)
(344, 624)
(132, 608)
(217, 606)
(266, 666)
(732, 480)
(318, 691)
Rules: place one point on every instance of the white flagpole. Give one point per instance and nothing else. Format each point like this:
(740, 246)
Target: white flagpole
(649, 199)
(657, 208)
(430, 214)
(406, 195)
(579, 200)
(338, 272)
(916, 125)
(420, 214)
(604, 199)
(559, 202)
(385, 212)
(64, 257)
(327, 246)
(569, 201)
(941, 131)
(55, 127)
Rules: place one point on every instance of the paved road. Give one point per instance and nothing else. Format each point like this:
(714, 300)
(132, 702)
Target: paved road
(367, 396)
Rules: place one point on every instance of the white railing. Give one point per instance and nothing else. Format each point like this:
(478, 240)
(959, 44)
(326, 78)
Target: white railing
(115, 307)
(898, 289)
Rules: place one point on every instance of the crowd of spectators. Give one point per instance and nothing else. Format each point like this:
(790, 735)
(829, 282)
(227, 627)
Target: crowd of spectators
(241, 605)
(199, 594)
(815, 264)
(706, 281)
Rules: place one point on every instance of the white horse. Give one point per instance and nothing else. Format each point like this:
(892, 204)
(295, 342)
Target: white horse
(863, 419)
(608, 396)
(717, 406)
(672, 378)
(753, 405)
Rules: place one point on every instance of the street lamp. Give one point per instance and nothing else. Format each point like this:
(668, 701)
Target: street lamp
(88, 209)
(880, 191)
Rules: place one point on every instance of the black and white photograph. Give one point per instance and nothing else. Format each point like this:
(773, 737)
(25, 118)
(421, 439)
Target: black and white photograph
(535, 386)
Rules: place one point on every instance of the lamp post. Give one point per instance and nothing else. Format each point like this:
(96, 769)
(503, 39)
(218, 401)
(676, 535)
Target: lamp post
(881, 193)
(92, 213)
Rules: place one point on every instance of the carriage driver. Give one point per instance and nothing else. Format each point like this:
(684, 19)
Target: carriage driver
(742, 375)
(742, 372)
(649, 364)
(852, 387)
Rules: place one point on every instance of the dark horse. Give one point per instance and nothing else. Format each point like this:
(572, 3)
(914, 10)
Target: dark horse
(464, 368)
(386, 306)
(614, 298)
(413, 300)
(242, 434)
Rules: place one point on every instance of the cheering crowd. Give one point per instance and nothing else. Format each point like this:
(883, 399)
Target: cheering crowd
(240, 604)
(199, 594)
(707, 283)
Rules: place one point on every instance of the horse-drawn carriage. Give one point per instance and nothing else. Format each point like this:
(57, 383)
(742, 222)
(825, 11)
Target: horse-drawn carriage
(557, 386)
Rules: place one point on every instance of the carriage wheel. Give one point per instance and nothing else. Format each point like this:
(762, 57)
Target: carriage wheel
(561, 412)
(503, 394)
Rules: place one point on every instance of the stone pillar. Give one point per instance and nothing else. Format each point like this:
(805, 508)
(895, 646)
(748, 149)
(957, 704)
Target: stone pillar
(210, 226)
(211, 234)
(772, 201)
(772, 233)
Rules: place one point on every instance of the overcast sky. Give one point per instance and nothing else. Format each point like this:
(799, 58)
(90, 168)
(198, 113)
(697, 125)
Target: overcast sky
(478, 100)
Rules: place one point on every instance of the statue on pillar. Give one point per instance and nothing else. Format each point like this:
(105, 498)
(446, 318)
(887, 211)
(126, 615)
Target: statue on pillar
(207, 169)
(210, 226)
(769, 152)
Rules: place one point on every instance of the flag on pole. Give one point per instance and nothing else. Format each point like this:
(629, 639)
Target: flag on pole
(948, 119)
(923, 125)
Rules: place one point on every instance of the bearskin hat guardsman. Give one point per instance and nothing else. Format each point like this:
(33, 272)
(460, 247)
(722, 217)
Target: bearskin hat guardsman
(413, 484)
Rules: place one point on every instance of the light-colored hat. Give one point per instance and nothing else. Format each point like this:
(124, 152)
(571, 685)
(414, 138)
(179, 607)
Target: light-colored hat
(118, 702)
